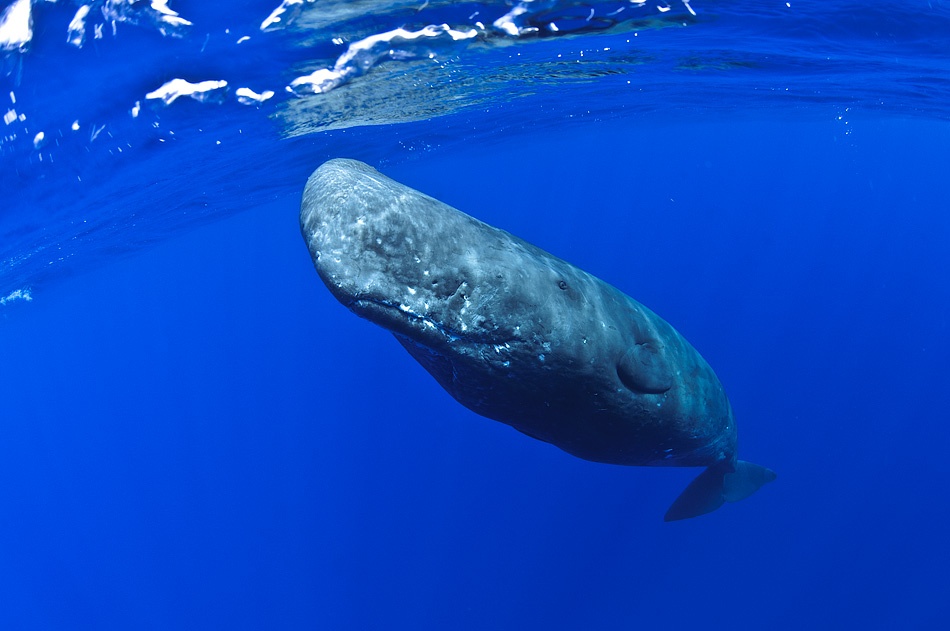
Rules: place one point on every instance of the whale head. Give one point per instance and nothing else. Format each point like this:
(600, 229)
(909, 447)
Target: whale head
(403, 260)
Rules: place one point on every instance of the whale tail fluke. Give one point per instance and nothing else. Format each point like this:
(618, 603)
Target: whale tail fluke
(718, 484)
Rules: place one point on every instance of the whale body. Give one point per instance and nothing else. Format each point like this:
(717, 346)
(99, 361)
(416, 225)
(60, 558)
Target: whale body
(520, 336)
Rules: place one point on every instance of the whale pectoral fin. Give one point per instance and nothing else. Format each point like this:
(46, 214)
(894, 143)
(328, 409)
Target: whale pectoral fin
(643, 368)
(716, 485)
(703, 495)
(745, 480)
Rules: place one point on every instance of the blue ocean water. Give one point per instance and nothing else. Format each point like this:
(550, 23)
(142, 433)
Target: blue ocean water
(195, 434)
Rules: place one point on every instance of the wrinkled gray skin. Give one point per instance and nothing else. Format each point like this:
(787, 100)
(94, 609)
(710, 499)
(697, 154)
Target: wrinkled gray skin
(516, 334)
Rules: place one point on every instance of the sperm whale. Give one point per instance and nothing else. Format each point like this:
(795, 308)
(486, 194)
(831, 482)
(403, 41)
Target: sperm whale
(520, 336)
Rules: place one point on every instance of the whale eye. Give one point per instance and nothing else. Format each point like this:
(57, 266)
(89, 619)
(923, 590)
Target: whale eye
(562, 285)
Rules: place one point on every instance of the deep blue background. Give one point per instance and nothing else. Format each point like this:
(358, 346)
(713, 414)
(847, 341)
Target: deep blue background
(202, 437)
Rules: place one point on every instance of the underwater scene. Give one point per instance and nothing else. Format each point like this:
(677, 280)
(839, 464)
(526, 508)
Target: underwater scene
(511, 314)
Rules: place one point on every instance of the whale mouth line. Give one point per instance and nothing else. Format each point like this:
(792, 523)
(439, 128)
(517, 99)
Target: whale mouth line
(406, 312)
(427, 322)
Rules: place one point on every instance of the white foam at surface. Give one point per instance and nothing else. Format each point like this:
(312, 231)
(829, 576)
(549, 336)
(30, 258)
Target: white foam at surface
(201, 91)
(248, 96)
(362, 55)
(283, 14)
(161, 6)
(16, 26)
(76, 33)
(167, 21)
